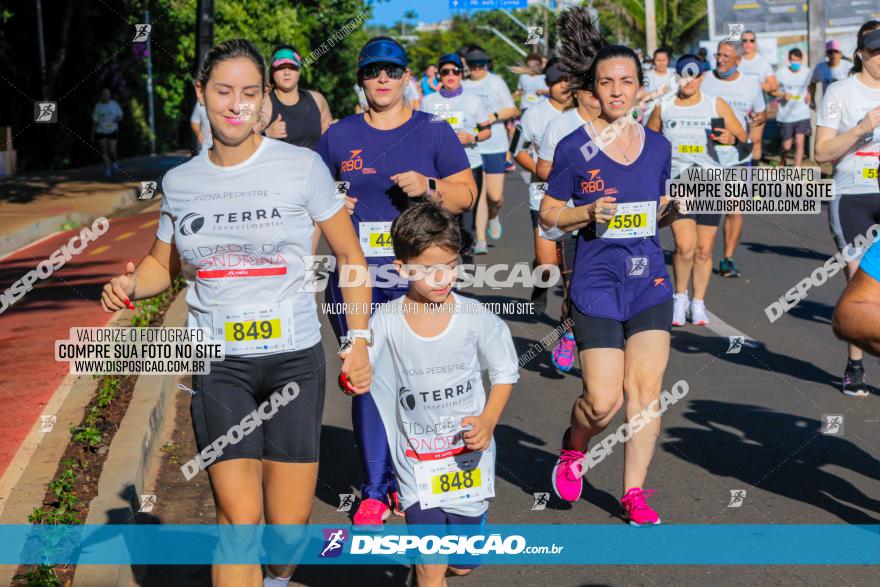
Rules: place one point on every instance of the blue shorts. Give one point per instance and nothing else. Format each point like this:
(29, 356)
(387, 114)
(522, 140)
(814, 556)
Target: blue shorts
(438, 517)
(494, 162)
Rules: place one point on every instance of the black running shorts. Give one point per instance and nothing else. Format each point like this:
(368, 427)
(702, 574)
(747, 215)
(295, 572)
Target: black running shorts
(288, 430)
(603, 333)
(850, 215)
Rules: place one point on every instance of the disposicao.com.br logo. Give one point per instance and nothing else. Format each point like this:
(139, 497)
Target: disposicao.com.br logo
(474, 545)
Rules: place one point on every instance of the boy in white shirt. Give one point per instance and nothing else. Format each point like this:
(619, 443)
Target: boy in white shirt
(436, 414)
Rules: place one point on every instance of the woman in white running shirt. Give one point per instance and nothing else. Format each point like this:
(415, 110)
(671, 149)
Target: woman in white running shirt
(531, 131)
(847, 134)
(235, 221)
(531, 88)
(686, 122)
(468, 118)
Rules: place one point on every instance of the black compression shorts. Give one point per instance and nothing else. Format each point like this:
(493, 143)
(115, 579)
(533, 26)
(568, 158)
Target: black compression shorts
(603, 333)
(238, 386)
(850, 215)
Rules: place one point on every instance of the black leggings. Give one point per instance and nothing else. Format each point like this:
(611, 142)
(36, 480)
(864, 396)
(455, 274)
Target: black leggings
(467, 221)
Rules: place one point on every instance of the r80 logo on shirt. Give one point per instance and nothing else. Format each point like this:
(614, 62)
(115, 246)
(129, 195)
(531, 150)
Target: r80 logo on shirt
(594, 183)
(354, 162)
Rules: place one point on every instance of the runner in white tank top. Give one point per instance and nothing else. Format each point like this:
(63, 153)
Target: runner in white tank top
(686, 122)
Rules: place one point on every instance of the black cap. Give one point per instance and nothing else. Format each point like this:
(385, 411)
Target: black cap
(553, 74)
(872, 40)
(477, 57)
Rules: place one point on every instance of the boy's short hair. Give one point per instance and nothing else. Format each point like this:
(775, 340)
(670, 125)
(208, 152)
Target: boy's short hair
(422, 226)
(796, 53)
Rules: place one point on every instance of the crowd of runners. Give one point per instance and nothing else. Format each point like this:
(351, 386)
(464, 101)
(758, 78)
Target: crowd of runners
(424, 164)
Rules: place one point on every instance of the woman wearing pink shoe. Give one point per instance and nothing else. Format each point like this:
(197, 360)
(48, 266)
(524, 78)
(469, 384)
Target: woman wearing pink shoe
(615, 172)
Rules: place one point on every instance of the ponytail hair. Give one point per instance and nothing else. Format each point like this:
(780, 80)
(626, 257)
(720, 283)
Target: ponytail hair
(579, 43)
(860, 44)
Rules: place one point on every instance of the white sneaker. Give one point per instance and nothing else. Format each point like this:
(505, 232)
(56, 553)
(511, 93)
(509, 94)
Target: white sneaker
(698, 313)
(495, 229)
(679, 309)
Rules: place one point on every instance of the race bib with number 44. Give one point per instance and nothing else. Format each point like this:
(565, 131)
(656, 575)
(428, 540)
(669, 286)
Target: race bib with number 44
(375, 239)
(631, 220)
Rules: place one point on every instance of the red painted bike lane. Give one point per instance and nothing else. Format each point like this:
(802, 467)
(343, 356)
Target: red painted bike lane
(70, 297)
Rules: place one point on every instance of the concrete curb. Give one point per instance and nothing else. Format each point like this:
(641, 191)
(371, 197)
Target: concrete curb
(34, 232)
(131, 458)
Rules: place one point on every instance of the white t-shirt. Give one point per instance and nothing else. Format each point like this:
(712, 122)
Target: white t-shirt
(534, 124)
(827, 75)
(463, 112)
(557, 129)
(411, 92)
(759, 68)
(107, 115)
(435, 383)
(795, 83)
(685, 127)
(844, 105)
(242, 233)
(529, 85)
(200, 116)
(496, 97)
(655, 80)
(743, 94)
(362, 96)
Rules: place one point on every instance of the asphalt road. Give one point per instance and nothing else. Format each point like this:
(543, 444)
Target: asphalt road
(751, 421)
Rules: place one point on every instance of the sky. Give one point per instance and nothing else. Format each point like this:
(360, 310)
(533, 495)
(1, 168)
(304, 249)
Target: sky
(429, 11)
(391, 11)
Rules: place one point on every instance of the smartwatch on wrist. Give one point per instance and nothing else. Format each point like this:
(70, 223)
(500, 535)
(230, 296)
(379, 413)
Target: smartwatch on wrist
(367, 335)
(432, 186)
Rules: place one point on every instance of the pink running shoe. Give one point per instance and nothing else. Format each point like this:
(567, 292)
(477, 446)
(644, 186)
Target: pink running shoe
(566, 483)
(563, 353)
(371, 512)
(636, 510)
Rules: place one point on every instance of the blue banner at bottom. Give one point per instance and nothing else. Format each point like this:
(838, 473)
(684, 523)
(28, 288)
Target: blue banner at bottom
(519, 544)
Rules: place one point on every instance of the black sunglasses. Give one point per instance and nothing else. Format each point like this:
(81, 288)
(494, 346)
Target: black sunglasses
(374, 70)
(447, 71)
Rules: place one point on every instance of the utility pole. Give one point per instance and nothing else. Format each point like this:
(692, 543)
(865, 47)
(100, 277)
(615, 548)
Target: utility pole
(204, 30)
(150, 114)
(816, 52)
(44, 80)
(650, 28)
